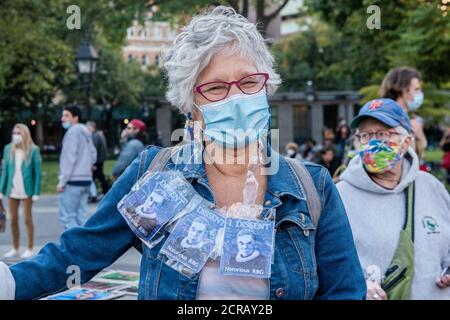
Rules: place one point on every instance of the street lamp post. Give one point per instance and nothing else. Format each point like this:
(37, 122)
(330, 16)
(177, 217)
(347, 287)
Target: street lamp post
(87, 62)
(310, 93)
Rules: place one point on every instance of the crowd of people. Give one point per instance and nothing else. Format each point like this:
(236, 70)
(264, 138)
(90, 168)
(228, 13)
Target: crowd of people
(402, 85)
(366, 223)
(83, 153)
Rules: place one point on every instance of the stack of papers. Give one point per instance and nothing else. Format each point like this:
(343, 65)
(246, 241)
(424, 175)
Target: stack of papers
(107, 285)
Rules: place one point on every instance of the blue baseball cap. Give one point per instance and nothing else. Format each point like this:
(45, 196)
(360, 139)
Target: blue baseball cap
(384, 110)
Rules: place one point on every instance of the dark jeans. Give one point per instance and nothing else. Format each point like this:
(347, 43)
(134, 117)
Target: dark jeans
(99, 175)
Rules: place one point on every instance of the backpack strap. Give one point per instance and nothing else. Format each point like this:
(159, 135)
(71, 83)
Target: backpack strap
(160, 160)
(306, 184)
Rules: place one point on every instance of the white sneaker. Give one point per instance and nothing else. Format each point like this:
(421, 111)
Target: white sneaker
(27, 254)
(13, 253)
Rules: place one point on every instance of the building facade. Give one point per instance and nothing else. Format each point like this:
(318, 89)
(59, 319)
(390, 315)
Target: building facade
(145, 42)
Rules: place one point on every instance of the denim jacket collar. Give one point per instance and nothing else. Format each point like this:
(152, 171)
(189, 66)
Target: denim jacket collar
(279, 184)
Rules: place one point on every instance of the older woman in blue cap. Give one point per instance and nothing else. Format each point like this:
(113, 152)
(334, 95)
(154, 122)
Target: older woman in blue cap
(399, 215)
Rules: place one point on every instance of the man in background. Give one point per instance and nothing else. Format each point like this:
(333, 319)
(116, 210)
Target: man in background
(99, 141)
(133, 139)
(78, 155)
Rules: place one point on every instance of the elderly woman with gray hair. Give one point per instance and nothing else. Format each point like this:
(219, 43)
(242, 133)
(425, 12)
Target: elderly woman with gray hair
(399, 214)
(220, 72)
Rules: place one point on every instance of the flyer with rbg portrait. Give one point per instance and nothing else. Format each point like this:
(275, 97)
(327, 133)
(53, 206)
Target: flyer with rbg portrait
(247, 248)
(153, 201)
(193, 239)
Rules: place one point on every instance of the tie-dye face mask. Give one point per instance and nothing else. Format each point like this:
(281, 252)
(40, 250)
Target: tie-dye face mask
(379, 156)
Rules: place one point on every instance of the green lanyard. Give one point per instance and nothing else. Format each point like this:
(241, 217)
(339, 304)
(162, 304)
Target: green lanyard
(409, 210)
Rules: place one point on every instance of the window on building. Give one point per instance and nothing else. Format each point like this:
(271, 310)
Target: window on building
(130, 57)
(302, 129)
(144, 60)
(157, 32)
(157, 59)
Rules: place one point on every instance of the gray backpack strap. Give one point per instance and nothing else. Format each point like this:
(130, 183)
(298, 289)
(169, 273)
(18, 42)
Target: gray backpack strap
(161, 158)
(308, 188)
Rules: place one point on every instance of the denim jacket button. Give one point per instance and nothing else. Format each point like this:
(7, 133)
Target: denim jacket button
(279, 293)
(306, 232)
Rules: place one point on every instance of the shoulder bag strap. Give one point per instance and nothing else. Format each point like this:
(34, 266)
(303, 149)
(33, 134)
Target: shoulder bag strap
(308, 188)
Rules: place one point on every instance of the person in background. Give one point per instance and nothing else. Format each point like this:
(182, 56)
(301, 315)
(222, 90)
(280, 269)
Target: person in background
(292, 151)
(375, 190)
(445, 145)
(134, 139)
(350, 151)
(402, 85)
(342, 136)
(78, 156)
(99, 141)
(328, 138)
(21, 182)
(328, 160)
(309, 150)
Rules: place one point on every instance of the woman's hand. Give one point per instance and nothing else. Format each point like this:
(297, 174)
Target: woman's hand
(35, 198)
(374, 291)
(444, 281)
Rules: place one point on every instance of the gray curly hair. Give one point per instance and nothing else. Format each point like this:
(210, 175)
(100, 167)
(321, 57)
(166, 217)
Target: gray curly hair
(221, 29)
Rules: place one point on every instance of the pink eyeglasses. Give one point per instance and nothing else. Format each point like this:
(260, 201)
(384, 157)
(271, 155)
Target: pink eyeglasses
(218, 90)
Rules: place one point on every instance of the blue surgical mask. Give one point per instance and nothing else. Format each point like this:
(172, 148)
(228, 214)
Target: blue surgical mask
(416, 102)
(66, 125)
(236, 121)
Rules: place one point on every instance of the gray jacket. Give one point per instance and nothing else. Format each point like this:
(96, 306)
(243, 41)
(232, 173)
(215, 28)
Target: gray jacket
(100, 145)
(377, 215)
(128, 153)
(78, 155)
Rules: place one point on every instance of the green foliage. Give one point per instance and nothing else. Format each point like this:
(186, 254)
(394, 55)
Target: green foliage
(412, 33)
(313, 54)
(50, 169)
(424, 41)
(32, 70)
(338, 51)
(154, 82)
(38, 54)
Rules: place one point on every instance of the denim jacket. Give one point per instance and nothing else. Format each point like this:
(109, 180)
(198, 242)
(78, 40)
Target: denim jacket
(308, 263)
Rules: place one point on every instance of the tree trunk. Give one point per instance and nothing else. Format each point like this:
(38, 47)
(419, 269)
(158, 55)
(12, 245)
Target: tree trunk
(265, 19)
(245, 7)
(110, 134)
(234, 4)
(40, 133)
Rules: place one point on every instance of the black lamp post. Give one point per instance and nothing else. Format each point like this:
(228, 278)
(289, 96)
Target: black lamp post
(87, 62)
(310, 93)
